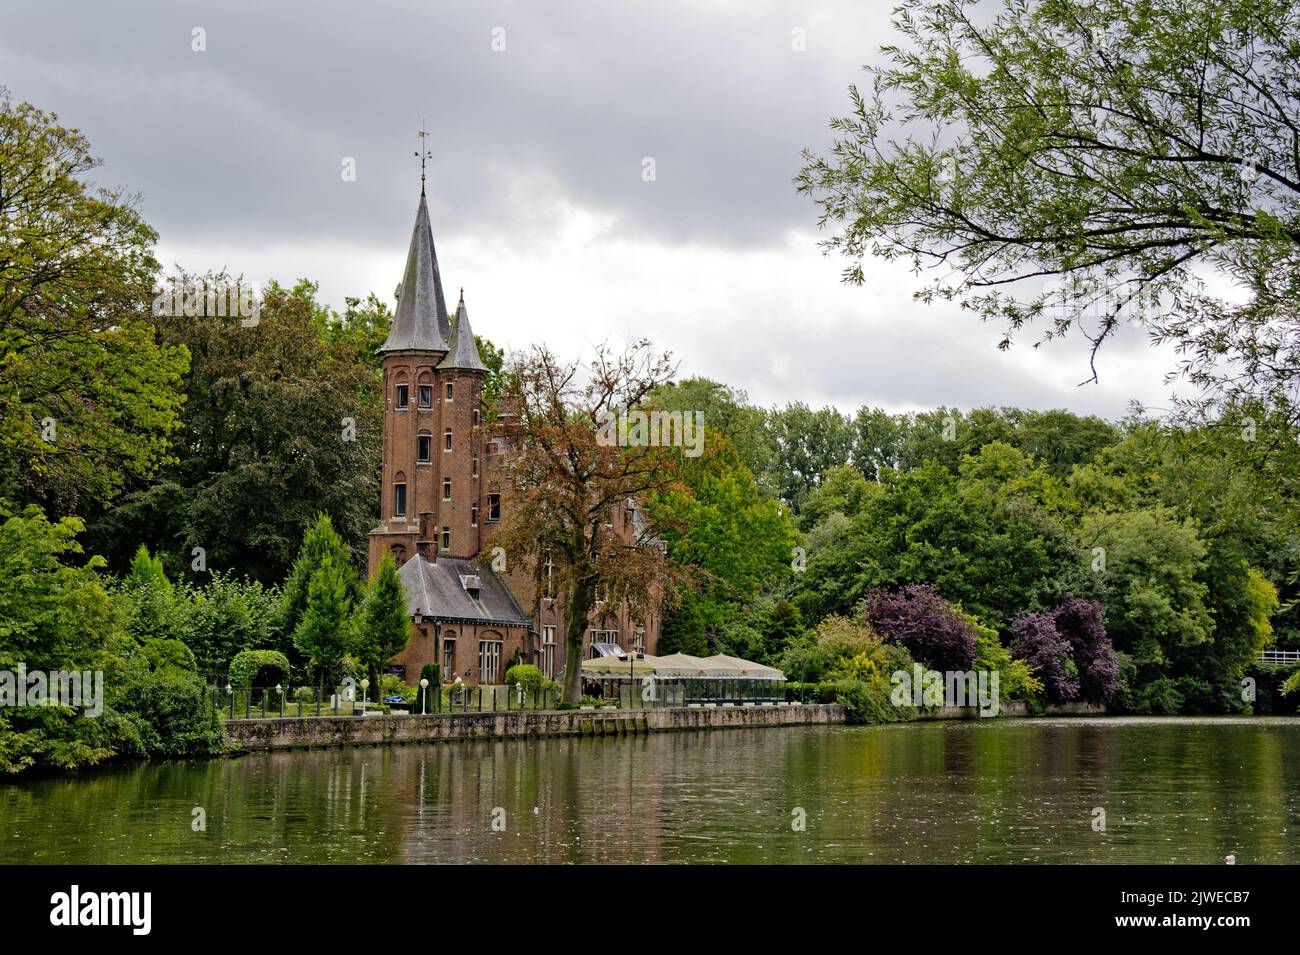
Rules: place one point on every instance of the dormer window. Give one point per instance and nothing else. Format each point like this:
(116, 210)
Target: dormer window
(403, 399)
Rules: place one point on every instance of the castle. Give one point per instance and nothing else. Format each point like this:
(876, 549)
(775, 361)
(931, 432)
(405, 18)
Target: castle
(445, 490)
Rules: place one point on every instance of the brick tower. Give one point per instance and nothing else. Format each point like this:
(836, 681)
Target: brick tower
(432, 498)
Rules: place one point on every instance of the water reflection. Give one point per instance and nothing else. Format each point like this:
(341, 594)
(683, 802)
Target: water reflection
(1187, 790)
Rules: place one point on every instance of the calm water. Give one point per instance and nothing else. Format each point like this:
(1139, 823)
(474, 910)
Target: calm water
(1185, 790)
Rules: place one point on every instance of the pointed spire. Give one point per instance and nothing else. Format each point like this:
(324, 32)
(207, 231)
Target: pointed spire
(420, 323)
(464, 350)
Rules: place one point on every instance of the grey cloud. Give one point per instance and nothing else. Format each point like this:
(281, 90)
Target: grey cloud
(250, 134)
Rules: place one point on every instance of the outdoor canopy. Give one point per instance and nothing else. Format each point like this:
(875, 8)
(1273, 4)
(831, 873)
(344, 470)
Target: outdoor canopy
(683, 666)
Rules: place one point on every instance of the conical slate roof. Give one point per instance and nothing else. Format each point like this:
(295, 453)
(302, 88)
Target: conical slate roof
(420, 323)
(464, 350)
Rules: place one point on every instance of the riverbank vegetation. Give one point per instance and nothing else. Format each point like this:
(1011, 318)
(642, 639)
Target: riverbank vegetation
(180, 488)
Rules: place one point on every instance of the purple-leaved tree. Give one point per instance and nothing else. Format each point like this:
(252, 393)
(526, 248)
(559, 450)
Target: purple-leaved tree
(921, 620)
(1079, 622)
(1034, 639)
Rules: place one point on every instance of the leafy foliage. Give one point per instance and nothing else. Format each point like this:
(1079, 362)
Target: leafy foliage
(258, 668)
(927, 625)
(1122, 151)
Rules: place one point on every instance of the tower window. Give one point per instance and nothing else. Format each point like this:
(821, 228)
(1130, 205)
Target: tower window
(399, 499)
(424, 448)
(450, 391)
(473, 467)
(446, 538)
(446, 440)
(403, 397)
(476, 417)
(426, 396)
(446, 489)
(494, 508)
(473, 515)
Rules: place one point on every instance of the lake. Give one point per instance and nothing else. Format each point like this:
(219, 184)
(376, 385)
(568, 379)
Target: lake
(1178, 790)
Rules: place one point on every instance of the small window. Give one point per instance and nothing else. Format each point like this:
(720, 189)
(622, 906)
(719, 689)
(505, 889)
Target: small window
(446, 440)
(403, 397)
(473, 515)
(399, 499)
(446, 489)
(450, 390)
(446, 538)
(424, 448)
(426, 396)
(473, 467)
(494, 508)
(476, 417)
(548, 572)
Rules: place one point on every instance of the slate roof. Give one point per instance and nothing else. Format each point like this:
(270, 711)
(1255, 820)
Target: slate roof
(464, 350)
(420, 322)
(434, 589)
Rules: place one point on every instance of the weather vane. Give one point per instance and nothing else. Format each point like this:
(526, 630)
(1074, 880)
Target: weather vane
(423, 153)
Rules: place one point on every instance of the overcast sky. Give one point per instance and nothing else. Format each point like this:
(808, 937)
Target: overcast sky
(536, 189)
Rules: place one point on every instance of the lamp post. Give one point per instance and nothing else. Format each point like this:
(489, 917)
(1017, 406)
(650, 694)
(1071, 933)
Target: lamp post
(279, 691)
(365, 685)
(424, 696)
(230, 692)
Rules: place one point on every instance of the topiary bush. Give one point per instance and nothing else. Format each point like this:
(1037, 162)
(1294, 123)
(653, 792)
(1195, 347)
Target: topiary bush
(527, 674)
(258, 668)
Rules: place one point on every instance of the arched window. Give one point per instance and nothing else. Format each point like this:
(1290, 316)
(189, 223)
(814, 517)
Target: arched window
(399, 495)
(401, 392)
(425, 391)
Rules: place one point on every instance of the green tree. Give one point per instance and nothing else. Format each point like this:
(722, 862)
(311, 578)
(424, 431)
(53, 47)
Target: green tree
(324, 633)
(146, 570)
(88, 396)
(1121, 151)
(281, 423)
(320, 541)
(807, 444)
(56, 614)
(382, 624)
(1154, 568)
(726, 411)
(718, 521)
